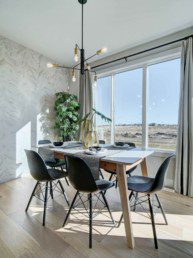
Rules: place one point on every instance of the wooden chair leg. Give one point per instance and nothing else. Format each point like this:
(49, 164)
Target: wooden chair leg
(135, 203)
(107, 205)
(161, 208)
(110, 177)
(101, 174)
(90, 220)
(64, 193)
(51, 190)
(65, 177)
(45, 203)
(152, 221)
(71, 206)
(32, 195)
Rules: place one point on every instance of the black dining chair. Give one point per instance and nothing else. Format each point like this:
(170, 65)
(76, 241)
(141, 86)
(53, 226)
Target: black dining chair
(81, 178)
(54, 162)
(43, 175)
(149, 186)
(128, 172)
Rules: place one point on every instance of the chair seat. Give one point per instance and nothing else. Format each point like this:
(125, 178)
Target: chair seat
(103, 184)
(140, 183)
(55, 164)
(56, 173)
(127, 172)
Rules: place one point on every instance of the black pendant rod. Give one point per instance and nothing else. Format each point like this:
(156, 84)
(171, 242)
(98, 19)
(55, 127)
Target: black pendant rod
(82, 61)
(141, 52)
(82, 27)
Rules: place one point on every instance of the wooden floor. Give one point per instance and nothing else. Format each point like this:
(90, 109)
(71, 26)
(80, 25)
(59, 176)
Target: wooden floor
(22, 235)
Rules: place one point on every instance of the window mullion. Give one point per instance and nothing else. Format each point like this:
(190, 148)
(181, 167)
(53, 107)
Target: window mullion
(145, 95)
(112, 110)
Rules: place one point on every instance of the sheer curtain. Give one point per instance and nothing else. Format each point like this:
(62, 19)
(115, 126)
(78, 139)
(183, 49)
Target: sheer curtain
(85, 94)
(85, 97)
(184, 153)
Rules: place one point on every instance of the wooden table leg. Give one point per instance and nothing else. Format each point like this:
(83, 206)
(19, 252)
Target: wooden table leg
(122, 181)
(144, 168)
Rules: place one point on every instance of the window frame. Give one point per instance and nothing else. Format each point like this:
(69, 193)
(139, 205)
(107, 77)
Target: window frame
(142, 63)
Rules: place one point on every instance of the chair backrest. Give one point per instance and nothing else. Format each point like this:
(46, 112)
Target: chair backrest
(160, 176)
(130, 144)
(80, 175)
(37, 167)
(44, 142)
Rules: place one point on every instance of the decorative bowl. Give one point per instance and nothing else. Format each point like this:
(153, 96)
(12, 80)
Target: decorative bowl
(57, 143)
(95, 148)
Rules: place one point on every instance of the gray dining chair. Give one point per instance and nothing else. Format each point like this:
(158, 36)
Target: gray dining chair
(149, 187)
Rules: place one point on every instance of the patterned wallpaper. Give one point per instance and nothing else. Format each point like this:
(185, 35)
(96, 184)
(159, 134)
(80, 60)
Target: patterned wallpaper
(27, 89)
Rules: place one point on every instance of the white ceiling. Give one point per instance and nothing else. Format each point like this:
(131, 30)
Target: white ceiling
(52, 27)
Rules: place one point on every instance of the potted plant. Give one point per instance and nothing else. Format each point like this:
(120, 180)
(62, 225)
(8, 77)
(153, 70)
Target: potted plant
(88, 132)
(67, 116)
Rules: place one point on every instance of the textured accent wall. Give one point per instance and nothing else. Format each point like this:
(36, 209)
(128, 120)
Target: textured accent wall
(27, 90)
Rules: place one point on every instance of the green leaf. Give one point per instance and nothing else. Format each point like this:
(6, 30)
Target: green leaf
(66, 107)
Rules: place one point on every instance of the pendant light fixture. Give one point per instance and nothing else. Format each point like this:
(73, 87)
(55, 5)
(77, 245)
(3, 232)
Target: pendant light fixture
(79, 53)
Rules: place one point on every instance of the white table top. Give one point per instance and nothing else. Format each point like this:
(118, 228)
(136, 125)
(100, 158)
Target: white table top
(123, 157)
(128, 157)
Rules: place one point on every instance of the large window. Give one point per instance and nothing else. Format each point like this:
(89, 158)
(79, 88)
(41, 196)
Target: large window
(164, 81)
(128, 106)
(143, 104)
(102, 103)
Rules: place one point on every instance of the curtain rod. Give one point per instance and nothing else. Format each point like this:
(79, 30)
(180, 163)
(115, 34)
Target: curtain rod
(141, 52)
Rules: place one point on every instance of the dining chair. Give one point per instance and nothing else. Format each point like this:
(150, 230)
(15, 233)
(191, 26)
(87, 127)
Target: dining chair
(54, 162)
(81, 178)
(45, 177)
(149, 186)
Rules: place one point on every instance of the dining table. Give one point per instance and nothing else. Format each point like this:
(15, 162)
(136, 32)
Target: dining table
(119, 163)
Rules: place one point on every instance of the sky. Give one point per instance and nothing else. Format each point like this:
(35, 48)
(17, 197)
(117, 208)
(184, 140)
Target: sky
(163, 103)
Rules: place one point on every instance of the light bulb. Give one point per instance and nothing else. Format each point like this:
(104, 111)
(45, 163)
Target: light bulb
(73, 76)
(88, 67)
(76, 58)
(76, 53)
(102, 51)
(50, 65)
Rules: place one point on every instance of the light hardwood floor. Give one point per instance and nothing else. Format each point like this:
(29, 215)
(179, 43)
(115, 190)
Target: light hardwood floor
(22, 235)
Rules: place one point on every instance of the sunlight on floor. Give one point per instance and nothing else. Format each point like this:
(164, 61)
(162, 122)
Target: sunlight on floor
(141, 226)
(23, 141)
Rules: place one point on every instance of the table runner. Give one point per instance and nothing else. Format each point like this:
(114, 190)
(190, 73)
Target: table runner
(93, 161)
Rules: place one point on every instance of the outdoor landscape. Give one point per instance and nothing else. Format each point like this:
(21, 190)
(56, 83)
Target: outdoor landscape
(161, 136)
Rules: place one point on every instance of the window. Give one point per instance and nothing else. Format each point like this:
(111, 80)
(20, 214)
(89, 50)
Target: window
(102, 102)
(128, 106)
(164, 82)
(143, 104)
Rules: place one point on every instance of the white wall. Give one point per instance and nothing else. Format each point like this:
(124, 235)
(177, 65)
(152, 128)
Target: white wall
(27, 89)
(148, 45)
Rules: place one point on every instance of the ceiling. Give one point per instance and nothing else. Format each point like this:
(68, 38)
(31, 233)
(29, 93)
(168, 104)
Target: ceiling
(52, 27)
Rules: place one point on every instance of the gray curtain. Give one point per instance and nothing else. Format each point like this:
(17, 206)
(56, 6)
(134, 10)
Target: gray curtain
(184, 153)
(85, 94)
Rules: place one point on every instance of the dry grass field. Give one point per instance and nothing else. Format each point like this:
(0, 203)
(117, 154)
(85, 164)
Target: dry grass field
(160, 136)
